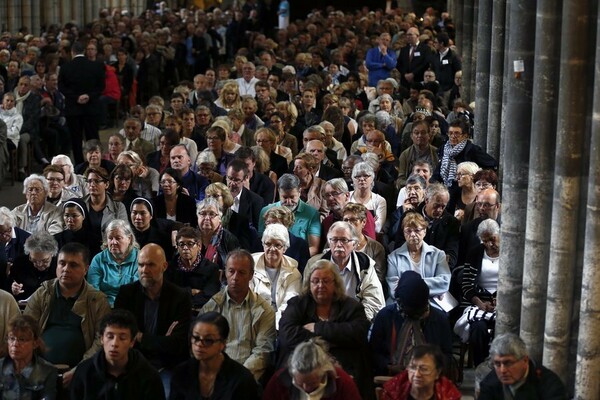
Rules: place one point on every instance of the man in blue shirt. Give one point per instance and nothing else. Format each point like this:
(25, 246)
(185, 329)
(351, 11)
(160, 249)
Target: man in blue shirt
(380, 60)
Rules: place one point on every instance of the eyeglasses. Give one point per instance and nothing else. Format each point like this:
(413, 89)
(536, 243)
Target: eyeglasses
(234, 180)
(276, 246)
(483, 184)
(352, 220)
(410, 231)
(461, 174)
(505, 363)
(324, 282)
(415, 188)
(186, 245)
(212, 138)
(485, 205)
(422, 369)
(343, 241)
(359, 177)
(20, 340)
(167, 182)
(41, 263)
(204, 341)
(207, 214)
(34, 189)
(331, 194)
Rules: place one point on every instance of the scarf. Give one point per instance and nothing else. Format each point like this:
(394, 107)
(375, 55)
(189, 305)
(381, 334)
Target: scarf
(19, 100)
(448, 164)
(411, 335)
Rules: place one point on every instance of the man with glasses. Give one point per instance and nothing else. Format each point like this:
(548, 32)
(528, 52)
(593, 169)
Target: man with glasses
(356, 268)
(245, 202)
(162, 311)
(37, 214)
(517, 377)
(251, 318)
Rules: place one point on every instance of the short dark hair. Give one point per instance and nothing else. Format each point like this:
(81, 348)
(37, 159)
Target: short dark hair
(238, 165)
(76, 248)
(120, 318)
(434, 351)
(245, 152)
(214, 318)
(241, 253)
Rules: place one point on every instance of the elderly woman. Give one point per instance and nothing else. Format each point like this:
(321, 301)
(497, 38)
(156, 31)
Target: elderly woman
(414, 191)
(416, 255)
(37, 214)
(116, 265)
(422, 379)
(29, 272)
(160, 159)
(12, 241)
(479, 287)
(324, 310)
(24, 374)
(101, 207)
(457, 149)
(77, 227)
(484, 179)
(298, 247)
(116, 145)
(189, 270)
(173, 204)
(466, 191)
(73, 182)
(92, 150)
(120, 188)
(236, 223)
(148, 229)
(356, 215)
(207, 164)
(210, 373)
(276, 276)
(56, 178)
(311, 186)
(145, 179)
(216, 240)
(311, 373)
(363, 177)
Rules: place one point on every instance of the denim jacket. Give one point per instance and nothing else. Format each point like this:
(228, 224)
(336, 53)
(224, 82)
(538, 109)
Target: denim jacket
(37, 380)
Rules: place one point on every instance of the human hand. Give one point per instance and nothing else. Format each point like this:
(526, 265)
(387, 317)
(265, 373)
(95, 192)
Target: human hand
(68, 377)
(17, 288)
(310, 327)
(83, 99)
(459, 214)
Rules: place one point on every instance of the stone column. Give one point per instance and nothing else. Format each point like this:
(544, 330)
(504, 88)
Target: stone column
(466, 49)
(482, 74)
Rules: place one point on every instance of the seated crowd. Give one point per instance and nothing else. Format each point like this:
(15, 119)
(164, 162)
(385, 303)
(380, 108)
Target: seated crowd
(286, 226)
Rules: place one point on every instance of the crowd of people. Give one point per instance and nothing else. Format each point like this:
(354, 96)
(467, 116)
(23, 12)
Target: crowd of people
(282, 213)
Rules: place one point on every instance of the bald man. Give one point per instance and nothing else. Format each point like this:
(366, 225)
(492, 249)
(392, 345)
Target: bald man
(162, 310)
(413, 59)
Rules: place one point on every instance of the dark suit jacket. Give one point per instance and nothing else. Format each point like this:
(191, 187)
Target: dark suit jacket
(185, 212)
(326, 173)
(175, 305)
(417, 65)
(278, 164)
(81, 76)
(263, 186)
(31, 114)
(250, 206)
(153, 160)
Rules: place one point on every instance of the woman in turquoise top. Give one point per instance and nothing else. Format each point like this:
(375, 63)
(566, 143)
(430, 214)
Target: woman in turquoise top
(116, 265)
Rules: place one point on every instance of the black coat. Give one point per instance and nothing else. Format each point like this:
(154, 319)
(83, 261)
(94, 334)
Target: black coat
(263, 186)
(175, 305)
(81, 76)
(140, 380)
(418, 64)
(204, 277)
(185, 211)
(250, 206)
(471, 152)
(233, 382)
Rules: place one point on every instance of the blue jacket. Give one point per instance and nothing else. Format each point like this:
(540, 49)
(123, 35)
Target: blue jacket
(379, 65)
(107, 276)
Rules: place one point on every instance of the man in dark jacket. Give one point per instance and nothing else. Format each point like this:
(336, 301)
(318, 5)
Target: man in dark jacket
(516, 377)
(118, 371)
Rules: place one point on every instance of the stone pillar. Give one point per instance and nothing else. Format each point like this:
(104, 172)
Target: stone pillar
(467, 49)
(515, 136)
(539, 201)
(36, 21)
(571, 128)
(458, 25)
(482, 74)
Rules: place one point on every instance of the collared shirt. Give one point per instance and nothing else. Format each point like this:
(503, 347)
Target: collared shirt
(239, 316)
(32, 220)
(444, 53)
(514, 387)
(236, 202)
(349, 278)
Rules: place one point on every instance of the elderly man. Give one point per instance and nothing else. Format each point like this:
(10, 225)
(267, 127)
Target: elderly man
(192, 182)
(356, 268)
(134, 140)
(162, 311)
(336, 195)
(325, 169)
(69, 310)
(200, 85)
(148, 130)
(421, 149)
(28, 103)
(413, 59)
(517, 377)
(37, 214)
(251, 318)
(13, 122)
(329, 159)
(248, 80)
(380, 60)
(306, 219)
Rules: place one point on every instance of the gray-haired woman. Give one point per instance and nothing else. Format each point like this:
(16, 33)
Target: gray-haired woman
(116, 265)
(216, 240)
(363, 177)
(38, 265)
(311, 373)
(276, 276)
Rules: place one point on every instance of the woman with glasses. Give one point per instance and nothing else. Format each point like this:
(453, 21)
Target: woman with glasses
(287, 144)
(38, 265)
(173, 204)
(189, 270)
(422, 379)
(416, 255)
(298, 248)
(323, 309)
(216, 240)
(484, 179)
(276, 276)
(211, 373)
(363, 177)
(73, 182)
(102, 209)
(466, 191)
(24, 374)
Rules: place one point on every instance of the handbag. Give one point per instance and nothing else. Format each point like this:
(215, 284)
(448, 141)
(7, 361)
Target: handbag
(471, 314)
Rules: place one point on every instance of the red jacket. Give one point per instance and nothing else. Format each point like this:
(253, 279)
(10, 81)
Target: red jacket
(398, 388)
(112, 88)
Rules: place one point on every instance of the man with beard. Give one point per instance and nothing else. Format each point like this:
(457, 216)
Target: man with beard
(162, 311)
(307, 223)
